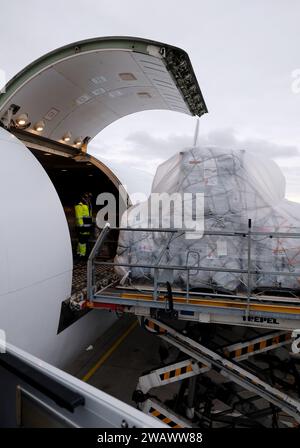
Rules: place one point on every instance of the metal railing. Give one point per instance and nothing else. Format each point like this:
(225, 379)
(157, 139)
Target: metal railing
(157, 266)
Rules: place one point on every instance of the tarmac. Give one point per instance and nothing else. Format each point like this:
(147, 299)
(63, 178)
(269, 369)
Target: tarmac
(118, 358)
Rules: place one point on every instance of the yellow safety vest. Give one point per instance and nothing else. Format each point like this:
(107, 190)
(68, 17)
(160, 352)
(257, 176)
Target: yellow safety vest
(82, 211)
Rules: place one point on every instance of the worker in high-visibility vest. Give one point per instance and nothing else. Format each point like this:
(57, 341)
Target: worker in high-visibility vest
(83, 215)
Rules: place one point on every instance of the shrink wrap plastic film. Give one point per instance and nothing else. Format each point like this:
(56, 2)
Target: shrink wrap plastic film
(237, 186)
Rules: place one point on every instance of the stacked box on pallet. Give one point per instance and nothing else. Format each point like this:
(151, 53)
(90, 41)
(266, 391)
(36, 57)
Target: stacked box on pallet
(237, 186)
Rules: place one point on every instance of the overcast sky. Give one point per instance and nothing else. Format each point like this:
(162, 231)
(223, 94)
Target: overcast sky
(243, 54)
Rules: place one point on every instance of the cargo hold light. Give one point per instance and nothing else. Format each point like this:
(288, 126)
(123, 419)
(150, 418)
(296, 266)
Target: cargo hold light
(78, 142)
(67, 137)
(39, 126)
(144, 95)
(127, 76)
(22, 120)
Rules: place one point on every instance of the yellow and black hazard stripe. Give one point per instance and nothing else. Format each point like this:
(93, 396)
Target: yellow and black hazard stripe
(155, 328)
(258, 346)
(176, 372)
(168, 421)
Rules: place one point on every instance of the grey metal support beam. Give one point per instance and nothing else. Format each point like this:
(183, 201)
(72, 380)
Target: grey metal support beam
(230, 370)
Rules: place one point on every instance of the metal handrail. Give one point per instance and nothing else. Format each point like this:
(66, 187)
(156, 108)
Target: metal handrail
(157, 266)
(241, 232)
(92, 256)
(196, 268)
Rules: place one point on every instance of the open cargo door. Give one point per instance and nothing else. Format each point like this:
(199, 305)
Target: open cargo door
(58, 103)
(69, 95)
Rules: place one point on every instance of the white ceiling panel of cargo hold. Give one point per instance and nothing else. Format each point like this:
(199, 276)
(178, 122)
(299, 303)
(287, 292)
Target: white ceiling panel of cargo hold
(72, 93)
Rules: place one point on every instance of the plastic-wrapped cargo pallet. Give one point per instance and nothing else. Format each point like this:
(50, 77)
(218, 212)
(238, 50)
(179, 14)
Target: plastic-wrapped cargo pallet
(237, 186)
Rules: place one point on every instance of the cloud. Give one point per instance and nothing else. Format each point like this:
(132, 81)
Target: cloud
(292, 175)
(160, 147)
(150, 146)
(136, 157)
(291, 170)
